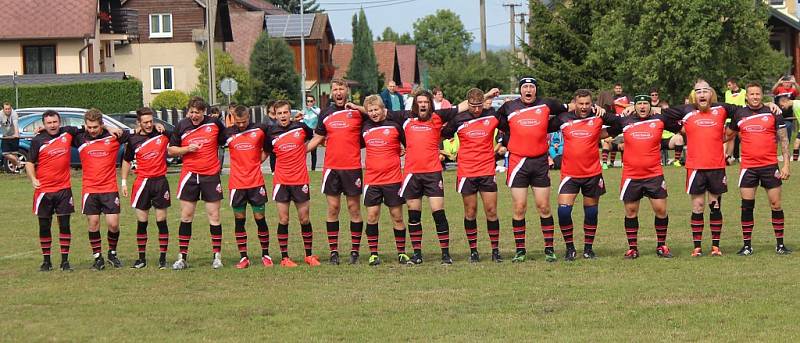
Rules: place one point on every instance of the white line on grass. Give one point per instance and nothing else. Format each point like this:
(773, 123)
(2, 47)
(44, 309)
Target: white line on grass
(7, 257)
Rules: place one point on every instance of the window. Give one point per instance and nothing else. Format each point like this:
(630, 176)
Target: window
(778, 3)
(162, 79)
(39, 59)
(161, 25)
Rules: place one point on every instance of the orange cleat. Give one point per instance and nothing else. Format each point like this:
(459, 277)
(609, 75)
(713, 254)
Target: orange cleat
(288, 263)
(266, 261)
(243, 263)
(697, 252)
(631, 254)
(715, 251)
(312, 260)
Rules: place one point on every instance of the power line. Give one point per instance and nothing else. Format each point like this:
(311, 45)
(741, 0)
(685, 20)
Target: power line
(371, 6)
(355, 2)
(488, 26)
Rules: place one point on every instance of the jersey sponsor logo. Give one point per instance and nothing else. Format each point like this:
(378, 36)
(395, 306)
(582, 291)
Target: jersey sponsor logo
(97, 153)
(377, 142)
(386, 132)
(305, 189)
(338, 124)
(57, 152)
(287, 147)
(477, 134)
(200, 140)
(421, 128)
(580, 133)
(754, 128)
(358, 182)
(149, 156)
(528, 122)
(641, 135)
(244, 146)
(705, 122)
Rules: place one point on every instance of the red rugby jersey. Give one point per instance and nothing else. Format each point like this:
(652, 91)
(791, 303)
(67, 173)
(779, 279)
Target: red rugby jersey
(527, 125)
(476, 142)
(581, 139)
(289, 146)
(208, 135)
(382, 141)
(99, 160)
(150, 153)
(620, 103)
(422, 139)
(342, 130)
(245, 147)
(51, 155)
(705, 131)
(758, 130)
(642, 157)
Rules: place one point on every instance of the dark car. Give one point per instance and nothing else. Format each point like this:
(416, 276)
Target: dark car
(129, 119)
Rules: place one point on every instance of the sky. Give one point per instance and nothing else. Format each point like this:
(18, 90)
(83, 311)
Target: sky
(401, 14)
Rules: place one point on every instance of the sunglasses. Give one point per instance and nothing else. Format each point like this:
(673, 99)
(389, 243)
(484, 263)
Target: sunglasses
(654, 94)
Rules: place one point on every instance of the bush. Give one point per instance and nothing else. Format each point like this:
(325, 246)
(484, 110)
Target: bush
(170, 99)
(111, 96)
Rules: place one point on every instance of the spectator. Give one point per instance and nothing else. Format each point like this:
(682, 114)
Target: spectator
(390, 97)
(9, 127)
(556, 150)
(229, 114)
(621, 100)
(439, 102)
(734, 95)
(448, 151)
(214, 112)
(655, 99)
(271, 121)
(791, 112)
(786, 86)
(311, 119)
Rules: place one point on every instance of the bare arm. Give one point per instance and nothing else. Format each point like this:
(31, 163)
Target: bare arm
(314, 142)
(30, 169)
(126, 169)
(784, 139)
(729, 134)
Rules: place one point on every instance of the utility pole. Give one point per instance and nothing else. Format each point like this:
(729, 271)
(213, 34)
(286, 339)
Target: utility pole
(211, 15)
(483, 30)
(513, 36)
(522, 32)
(302, 59)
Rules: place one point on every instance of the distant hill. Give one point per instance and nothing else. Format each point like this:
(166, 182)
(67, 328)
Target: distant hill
(476, 47)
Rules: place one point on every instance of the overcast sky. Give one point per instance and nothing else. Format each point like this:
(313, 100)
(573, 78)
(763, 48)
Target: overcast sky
(401, 14)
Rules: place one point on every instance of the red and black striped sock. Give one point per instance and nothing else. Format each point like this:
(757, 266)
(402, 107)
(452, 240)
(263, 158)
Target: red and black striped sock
(747, 220)
(471, 229)
(715, 222)
(493, 227)
(697, 222)
(113, 239)
(283, 239)
(796, 154)
(518, 228)
(777, 226)
(400, 239)
(548, 230)
(64, 237)
(372, 238)
(263, 235)
(308, 237)
(184, 236)
(45, 237)
(415, 234)
(163, 238)
(604, 155)
(333, 235)
(241, 235)
(661, 225)
(678, 152)
(216, 238)
(95, 241)
(141, 239)
(442, 230)
(355, 236)
(589, 226)
(612, 157)
(632, 232)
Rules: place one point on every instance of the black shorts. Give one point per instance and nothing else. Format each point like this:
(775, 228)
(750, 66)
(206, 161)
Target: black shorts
(636, 189)
(700, 181)
(665, 143)
(194, 187)
(10, 145)
(341, 181)
(100, 203)
(286, 193)
(256, 196)
(423, 184)
(769, 177)
(374, 195)
(58, 203)
(474, 184)
(150, 192)
(524, 172)
(590, 187)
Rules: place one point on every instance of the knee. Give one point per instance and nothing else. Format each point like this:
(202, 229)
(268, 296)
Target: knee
(544, 209)
(775, 205)
(564, 211)
(414, 216)
(491, 213)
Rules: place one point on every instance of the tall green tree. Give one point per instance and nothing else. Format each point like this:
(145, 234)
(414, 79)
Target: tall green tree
(363, 66)
(456, 79)
(293, 6)
(441, 36)
(390, 35)
(272, 71)
(224, 67)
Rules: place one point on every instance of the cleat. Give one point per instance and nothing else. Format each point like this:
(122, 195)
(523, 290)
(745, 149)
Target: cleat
(589, 254)
(216, 263)
(180, 264)
(288, 263)
(266, 261)
(334, 260)
(519, 257)
(403, 259)
(243, 263)
(697, 252)
(605, 166)
(663, 252)
(139, 264)
(677, 163)
(99, 263)
(496, 258)
(474, 257)
(715, 251)
(112, 258)
(416, 258)
(374, 260)
(46, 266)
(550, 255)
(745, 251)
(446, 260)
(65, 267)
(631, 254)
(162, 263)
(312, 260)
(570, 255)
(354, 257)
(782, 250)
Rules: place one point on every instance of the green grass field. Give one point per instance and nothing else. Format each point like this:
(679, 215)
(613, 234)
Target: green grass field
(730, 298)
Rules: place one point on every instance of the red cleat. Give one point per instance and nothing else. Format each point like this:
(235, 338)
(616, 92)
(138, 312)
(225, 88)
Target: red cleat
(312, 260)
(243, 263)
(266, 261)
(288, 263)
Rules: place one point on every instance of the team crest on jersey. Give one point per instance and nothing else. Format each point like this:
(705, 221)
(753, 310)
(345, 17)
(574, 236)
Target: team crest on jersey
(158, 141)
(358, 182)
(714, 112)
(664, 184)
(764, 118)
(652, 125)
(116, 201)
(253, 134)
(538, 111)
(63, 139)
(591, 122)
(297, 134)
(262, 191)
(305, 189)
(208, 128)
(219, 188)
(107, 141)
(166, 195)
(725, 180)
(486, 122)
(440, 185)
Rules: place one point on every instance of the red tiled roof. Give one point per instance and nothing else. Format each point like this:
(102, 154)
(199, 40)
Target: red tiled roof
(342, 54)
(247, 26)
(407, 59)
(385, 55)
(261, 5)
(47, 19)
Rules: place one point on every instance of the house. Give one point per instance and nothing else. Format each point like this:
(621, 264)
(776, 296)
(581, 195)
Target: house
(174, 34)
(409, 67)
(396, 63)
(248, 22)
(784, 22)
(62, 36)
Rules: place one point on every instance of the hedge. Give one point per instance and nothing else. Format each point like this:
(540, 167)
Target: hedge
(112, 96)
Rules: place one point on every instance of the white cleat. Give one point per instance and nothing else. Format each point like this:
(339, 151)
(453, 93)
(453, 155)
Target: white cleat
(217, 262)
(180, 264)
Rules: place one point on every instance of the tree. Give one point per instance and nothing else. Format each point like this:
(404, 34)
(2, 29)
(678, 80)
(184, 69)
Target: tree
(272, 71)
(293, 6)
(363, 66)
(456, 78)
(389, 35)
(440, 36)
(224, 67)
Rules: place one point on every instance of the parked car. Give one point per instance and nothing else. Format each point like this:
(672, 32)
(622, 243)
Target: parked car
(32, 120)
(129, 119)
(502, 99)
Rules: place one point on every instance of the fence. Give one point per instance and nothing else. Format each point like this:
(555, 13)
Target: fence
(174, 115)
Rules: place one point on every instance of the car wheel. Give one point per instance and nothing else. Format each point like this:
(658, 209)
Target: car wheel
(22, 157)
